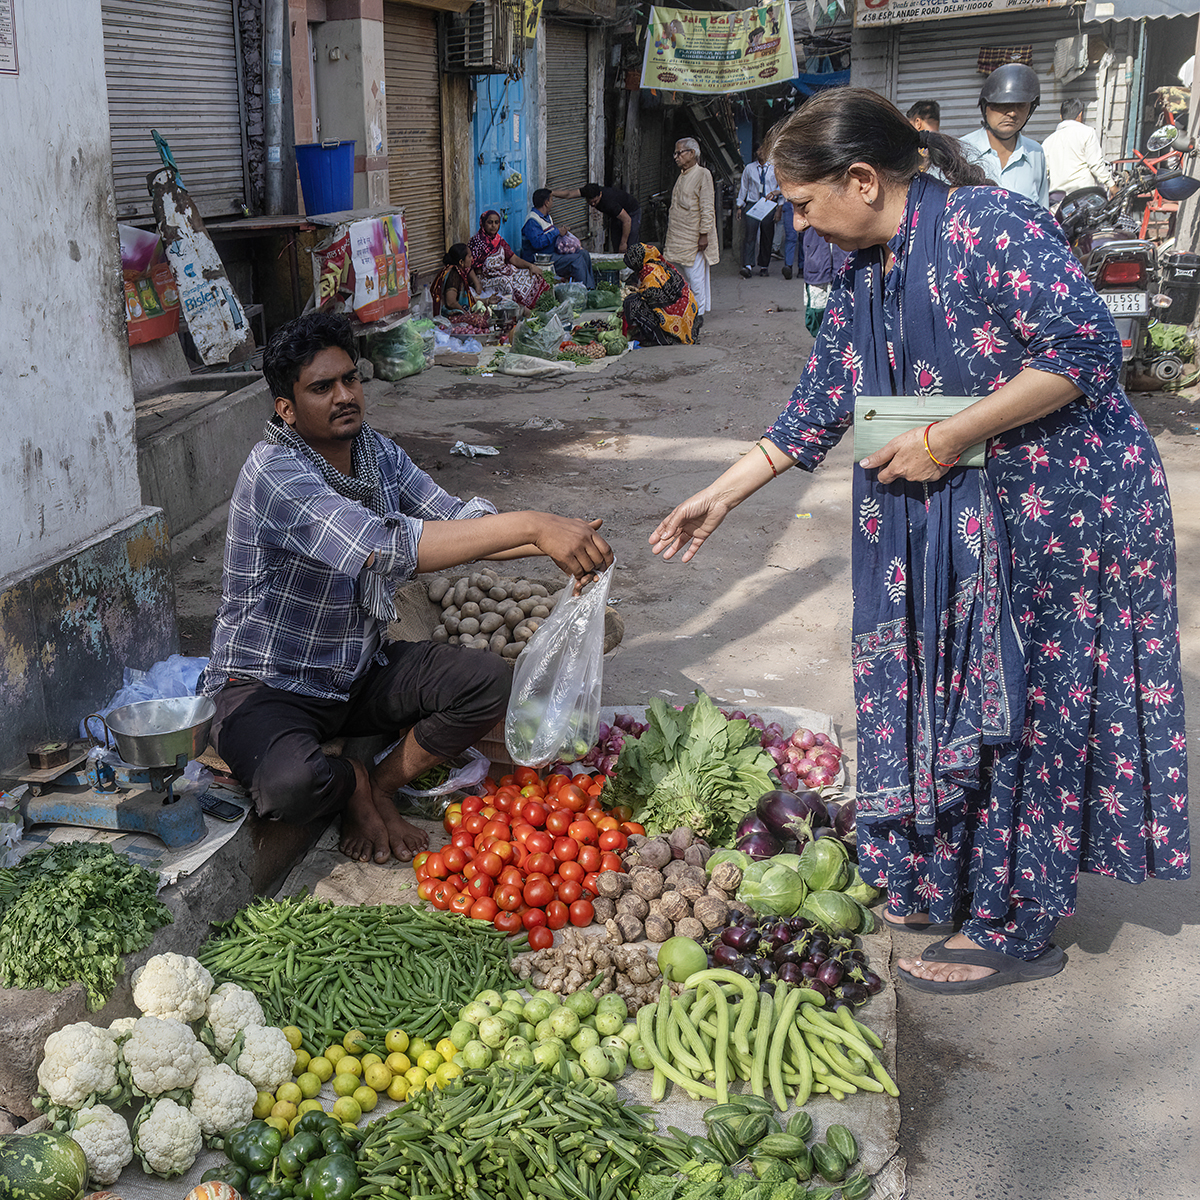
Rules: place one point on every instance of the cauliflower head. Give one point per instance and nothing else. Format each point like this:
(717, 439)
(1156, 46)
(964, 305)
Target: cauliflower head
(230, 1010)
(167, 1138)
(267, 1057)
(222, 1099)
(162, 1054)
(122, 1027)
(78, 1061)
(105, 1140)
(172, 985)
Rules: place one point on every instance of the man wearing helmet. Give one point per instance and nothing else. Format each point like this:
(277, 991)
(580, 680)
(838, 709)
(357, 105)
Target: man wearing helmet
(1006, 101)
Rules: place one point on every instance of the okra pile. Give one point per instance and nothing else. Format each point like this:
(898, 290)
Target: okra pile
(504, 1132)
(327, 967)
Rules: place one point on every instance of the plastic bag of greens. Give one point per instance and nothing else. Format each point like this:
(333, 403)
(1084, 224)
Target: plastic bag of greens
(554, 709)
(538, 336)
(604, 298)
(429, 795)
(397, 353)
(573, 293)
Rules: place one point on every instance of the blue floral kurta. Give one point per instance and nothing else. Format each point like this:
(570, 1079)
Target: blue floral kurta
(1016, 640)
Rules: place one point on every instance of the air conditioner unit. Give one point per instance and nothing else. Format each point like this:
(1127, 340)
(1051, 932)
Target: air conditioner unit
(487, 39)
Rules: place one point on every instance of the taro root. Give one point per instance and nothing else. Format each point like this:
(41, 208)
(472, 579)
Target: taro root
(631, 928)
(647, 883)
(689, 927)
(602, 908)
(673, 870)
(727, 876)
(697, 854)
(713, 890)
(674, 907)
(633, 905)
(658, 928)
(689, 888)
(711, 912)
(612, 884)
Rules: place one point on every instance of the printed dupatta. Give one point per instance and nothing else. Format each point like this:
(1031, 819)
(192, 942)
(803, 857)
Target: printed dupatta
(938, 663)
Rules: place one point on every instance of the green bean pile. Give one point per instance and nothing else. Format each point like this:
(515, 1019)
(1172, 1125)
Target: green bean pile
(329, 968)
(501, 1132)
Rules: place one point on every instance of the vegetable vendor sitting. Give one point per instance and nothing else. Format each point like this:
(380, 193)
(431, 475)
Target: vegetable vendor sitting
(539, 235)
(326, 520)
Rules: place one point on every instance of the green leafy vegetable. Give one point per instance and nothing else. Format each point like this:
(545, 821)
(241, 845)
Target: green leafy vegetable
(69, 912)
(691, 767)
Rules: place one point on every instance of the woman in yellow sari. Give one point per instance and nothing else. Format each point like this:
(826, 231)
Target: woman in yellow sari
(662, 311)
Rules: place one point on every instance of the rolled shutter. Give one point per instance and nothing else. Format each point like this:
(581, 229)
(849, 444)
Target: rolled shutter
(414, 131)
(567, 120)
(937, 61)
(173, 65)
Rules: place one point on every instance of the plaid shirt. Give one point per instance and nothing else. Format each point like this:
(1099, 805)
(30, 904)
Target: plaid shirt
(290, 614)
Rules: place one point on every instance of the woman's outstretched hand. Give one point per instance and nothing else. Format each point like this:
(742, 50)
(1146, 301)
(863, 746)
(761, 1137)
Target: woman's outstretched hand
(694, 519)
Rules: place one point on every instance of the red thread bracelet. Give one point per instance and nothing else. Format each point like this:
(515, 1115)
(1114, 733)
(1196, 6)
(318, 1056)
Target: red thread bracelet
(930, 452)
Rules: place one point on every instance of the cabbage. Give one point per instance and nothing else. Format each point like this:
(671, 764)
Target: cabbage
(859, 889)
(834, 911)
(739, 860)
(825, 865)
(776, 890)
(788, 860)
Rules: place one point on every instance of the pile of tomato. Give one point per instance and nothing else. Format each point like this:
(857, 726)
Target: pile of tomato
(526, 853)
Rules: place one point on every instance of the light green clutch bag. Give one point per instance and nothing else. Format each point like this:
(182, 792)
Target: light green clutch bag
(878, 419)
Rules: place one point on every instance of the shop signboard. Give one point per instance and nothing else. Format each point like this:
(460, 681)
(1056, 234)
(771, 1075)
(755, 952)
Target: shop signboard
(898, 12)
(716, 52)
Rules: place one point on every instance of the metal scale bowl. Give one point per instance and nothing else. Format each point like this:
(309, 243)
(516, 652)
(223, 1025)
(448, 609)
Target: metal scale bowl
(156, 739)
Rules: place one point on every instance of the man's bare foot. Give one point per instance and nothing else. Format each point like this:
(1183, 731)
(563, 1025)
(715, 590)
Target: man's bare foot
(364, 834)
(947, 972)
(403, 837)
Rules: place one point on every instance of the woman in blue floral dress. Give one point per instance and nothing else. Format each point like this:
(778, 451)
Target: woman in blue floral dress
(1016, 640)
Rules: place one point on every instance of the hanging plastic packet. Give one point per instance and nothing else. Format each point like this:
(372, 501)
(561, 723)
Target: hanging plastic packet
(554, 709)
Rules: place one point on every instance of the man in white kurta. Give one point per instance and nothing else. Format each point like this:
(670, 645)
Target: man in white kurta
(692, 242)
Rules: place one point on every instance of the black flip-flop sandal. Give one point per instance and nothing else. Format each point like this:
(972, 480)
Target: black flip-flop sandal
(1005, 969)
(928, 927)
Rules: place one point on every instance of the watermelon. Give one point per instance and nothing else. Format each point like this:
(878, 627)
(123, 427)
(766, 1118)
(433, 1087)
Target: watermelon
(41, 1166)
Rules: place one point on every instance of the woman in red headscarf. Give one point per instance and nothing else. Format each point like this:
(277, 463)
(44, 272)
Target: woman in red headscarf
(499, 269)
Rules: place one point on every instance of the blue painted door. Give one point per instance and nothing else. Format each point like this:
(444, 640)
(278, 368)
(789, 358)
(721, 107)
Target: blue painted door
(501, 135)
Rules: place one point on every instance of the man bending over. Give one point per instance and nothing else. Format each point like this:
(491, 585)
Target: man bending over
(326, 520)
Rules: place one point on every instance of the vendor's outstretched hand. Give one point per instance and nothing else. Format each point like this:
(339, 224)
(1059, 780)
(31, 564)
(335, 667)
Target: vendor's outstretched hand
(574, 546)
(694, 519)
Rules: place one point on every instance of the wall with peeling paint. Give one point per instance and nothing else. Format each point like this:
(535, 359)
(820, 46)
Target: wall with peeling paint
(85, 579)
(68, 467)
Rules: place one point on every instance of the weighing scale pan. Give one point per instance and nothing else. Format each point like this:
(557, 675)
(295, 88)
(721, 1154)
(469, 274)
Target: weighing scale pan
(154, 733)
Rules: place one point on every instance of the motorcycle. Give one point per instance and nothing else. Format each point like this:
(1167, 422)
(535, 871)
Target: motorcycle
(1123, 267)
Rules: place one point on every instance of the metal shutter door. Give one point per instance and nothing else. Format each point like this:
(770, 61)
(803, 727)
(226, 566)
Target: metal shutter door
(653, 155)
(173, 65)
(414, 131)
(567, 121)
(936, 61)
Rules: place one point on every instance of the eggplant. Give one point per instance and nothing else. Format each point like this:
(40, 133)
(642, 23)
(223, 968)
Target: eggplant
(779, 935)
(790, 972)
(809, 969)
(831, 972)
(821, 989)
(844, 822)
(852, 992)
(872, 982)
(741, 937)
(789, 952)
(760, 845)
(751, 823)
(746, 969)
(791, 813)
(725, 955)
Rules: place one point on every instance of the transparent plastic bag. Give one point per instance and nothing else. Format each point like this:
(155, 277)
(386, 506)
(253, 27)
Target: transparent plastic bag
(466, 771)
(166, 680)
(540, 343)
(397, 353)
(554, 709)
(576, 294)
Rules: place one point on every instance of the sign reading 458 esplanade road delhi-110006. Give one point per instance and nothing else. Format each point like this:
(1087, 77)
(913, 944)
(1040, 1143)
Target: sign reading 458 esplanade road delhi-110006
(897, 12)
(720, 51)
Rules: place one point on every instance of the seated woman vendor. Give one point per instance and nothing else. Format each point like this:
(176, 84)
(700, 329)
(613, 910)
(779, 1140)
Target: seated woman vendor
(452, 295)
(498, 268)
(661, 309)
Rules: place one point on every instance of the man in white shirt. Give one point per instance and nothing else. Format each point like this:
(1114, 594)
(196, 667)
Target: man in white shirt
(1013, 161)
(758, 180)
(1073, 155)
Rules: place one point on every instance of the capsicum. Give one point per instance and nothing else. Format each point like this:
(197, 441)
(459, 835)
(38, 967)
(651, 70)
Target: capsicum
(254, 1146)
(334, 1177)
(298, 1151)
